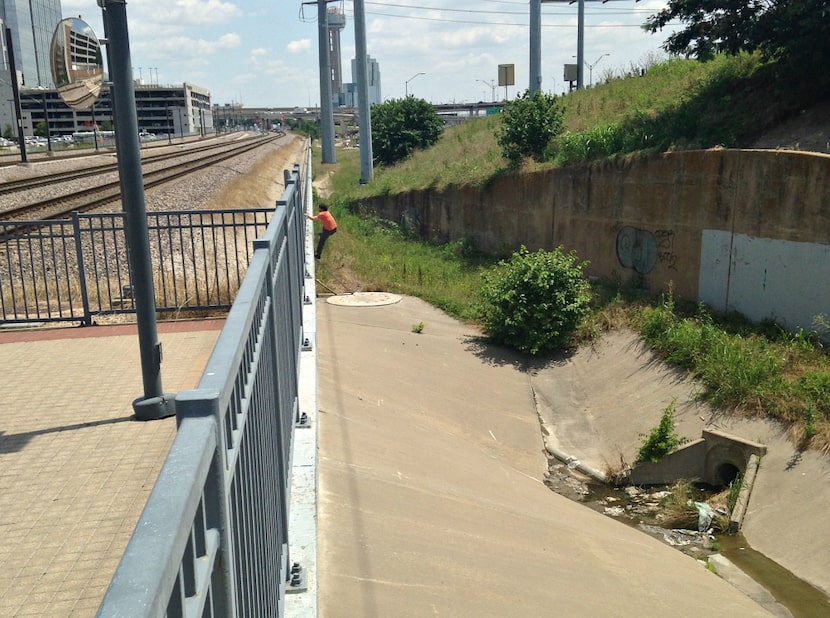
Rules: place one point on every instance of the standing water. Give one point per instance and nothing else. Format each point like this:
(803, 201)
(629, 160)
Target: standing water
(642, 508)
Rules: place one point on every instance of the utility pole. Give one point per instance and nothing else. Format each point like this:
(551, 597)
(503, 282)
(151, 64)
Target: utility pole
(580, 46)
(326, 112)
(366, 170)
(535, 46)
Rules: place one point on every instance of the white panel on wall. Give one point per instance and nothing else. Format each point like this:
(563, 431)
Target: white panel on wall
(786, 281)
(713, 278)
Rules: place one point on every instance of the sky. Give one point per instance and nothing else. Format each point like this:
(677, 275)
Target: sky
(265, 53)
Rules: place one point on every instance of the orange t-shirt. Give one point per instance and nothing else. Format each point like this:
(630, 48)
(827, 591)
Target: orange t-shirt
(327, 220)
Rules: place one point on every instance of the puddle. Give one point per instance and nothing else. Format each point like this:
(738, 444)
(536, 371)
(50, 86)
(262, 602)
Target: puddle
(802, 599)
(642, 511)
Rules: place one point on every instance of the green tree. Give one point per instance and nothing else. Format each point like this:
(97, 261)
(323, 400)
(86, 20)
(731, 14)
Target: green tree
(40, 129)
(796, 32)
(8, 132)
(535, 301)
(401, 126)
(528, 124)
(311, 129)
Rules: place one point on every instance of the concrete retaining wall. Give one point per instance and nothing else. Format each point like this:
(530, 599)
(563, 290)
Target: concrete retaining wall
(739, 229)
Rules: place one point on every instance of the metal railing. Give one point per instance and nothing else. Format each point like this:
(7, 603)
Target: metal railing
(213, 537)
(76, 269)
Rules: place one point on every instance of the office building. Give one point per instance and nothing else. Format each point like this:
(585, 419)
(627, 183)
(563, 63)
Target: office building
(373, 78)
(32, 23)
(177, 110)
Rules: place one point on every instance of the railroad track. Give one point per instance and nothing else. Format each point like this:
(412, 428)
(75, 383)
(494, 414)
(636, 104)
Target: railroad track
(24, 184)
(63, 206)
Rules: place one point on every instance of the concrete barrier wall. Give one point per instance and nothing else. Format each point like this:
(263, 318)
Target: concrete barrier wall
(689, 220)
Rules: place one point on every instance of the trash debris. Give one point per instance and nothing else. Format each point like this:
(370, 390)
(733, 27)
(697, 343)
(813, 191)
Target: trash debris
(705, 515)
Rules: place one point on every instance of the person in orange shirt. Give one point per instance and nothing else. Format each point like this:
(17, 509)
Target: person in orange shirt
(329, 228)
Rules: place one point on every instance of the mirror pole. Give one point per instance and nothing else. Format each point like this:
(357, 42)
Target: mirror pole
(155, 404)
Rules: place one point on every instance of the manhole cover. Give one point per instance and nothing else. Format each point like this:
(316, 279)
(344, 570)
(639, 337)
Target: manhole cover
(364, 299)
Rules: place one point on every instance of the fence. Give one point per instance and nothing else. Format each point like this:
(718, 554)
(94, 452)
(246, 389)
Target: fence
(213, 537)
(76, 269)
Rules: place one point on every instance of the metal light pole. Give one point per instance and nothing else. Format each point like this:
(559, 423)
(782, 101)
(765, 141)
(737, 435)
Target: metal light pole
(155, 403)
(591, 69)
(46, 121)
(169, 119)
(21, 139)
(406, 84)
(492, 85)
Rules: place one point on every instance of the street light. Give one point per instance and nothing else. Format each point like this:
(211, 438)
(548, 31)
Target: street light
(406, 84)
(492, 86)
(591, 68)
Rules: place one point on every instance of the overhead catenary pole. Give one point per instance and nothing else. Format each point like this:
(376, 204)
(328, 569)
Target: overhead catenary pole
(326, 111)
(366, 171)
(155, 403)
(580, 46)
(535, 46)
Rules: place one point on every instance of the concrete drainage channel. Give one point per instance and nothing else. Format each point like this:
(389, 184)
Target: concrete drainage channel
(716, 459)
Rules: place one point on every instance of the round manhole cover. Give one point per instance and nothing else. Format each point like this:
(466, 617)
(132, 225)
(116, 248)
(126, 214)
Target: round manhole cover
(364, 299)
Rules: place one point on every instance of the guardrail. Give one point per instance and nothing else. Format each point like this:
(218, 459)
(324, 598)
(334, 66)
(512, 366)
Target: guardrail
(62, 270)
(213, 537)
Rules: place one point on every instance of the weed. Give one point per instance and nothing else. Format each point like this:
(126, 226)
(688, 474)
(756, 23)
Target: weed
(734, 492)
(418, 328)
(662, 440)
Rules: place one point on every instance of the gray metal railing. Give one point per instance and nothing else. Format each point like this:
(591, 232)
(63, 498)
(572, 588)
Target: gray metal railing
(76, 269)
(213, 537)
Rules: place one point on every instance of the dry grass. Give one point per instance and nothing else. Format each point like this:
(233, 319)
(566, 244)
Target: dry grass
(263, 185)
(679, 510)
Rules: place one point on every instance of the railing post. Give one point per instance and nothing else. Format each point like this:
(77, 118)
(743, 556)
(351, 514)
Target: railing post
(276, 243)
(76, 232)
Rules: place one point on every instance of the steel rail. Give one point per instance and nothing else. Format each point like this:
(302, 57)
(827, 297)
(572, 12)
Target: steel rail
(63, 206)
(25, 184)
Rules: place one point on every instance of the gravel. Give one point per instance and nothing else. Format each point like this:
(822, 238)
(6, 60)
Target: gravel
(191, 192)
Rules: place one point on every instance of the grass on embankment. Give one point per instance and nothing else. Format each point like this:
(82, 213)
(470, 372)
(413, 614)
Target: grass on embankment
(679, 104)
(757, 370)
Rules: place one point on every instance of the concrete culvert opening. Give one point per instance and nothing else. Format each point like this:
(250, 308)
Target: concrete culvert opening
(725, 473)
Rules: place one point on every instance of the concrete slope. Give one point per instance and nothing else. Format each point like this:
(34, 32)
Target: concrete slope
(431, 494)
(596, 403)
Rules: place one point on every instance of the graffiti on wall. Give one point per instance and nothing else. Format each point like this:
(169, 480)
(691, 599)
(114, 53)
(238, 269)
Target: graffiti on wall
(641, 250)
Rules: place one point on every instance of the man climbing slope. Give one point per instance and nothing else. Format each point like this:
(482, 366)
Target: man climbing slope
(329, 228)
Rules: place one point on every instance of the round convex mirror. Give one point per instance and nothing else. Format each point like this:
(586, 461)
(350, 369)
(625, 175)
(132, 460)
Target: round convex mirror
(77, 68)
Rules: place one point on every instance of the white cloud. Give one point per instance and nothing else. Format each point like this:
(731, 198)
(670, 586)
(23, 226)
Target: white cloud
(186, 13)
(298, 47)
(264, 52)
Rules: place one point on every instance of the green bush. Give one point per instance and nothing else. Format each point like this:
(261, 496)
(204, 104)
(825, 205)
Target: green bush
(534, 301)
(662, 440)
(528, 124)
(402, 126)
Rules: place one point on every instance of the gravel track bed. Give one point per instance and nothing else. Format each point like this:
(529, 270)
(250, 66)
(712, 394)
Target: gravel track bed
(191, 192)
